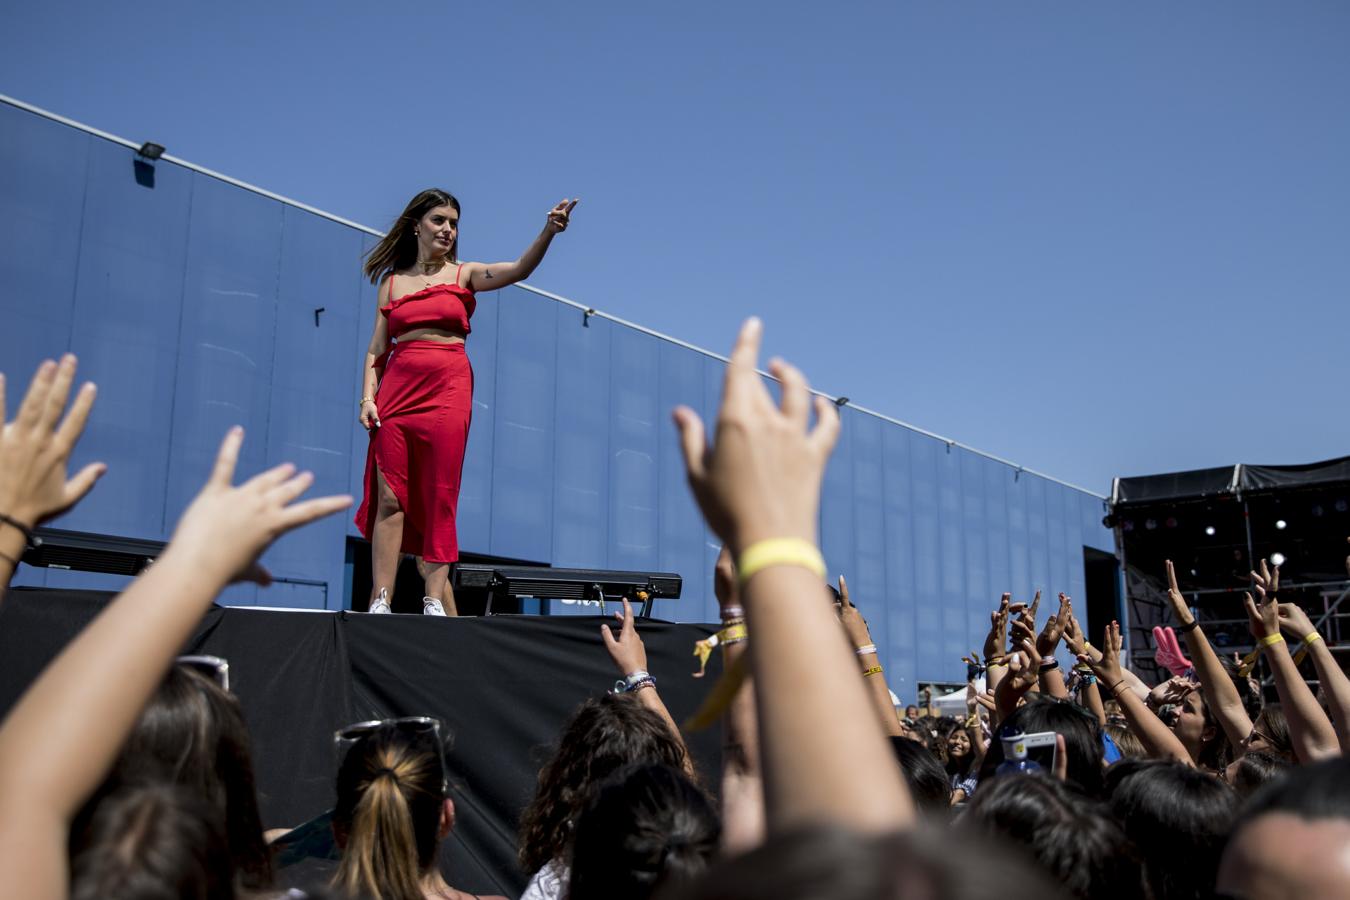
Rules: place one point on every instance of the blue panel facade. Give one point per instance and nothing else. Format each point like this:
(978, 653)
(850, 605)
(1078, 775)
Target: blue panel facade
(196, 304)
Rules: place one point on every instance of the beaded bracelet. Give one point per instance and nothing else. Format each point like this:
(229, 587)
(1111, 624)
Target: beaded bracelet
(733, 612)
(866, 649)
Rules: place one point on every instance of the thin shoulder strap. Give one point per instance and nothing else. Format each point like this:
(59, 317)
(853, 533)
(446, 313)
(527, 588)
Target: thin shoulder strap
(457, 271)
(390, 299)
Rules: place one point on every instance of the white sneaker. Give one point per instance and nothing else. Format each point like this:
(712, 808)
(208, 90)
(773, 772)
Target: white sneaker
(381, 603)
(432, 607)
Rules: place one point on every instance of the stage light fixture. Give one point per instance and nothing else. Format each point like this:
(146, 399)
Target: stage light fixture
(1150, 524)
(1171, 522)
(1277, 559)
(151, 150)
(843, 401)
(1281, 524)
(1209, 530)
(1341, 505)
(1317, 511)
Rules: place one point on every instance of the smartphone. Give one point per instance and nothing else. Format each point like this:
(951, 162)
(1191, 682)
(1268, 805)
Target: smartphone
(1041, 749)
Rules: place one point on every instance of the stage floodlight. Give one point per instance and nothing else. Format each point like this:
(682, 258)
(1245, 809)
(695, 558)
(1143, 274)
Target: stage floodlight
(151, 150)
(1150, 524)
(1342, 505)
(1277, 559)
(1281, 524)
(1209, 530)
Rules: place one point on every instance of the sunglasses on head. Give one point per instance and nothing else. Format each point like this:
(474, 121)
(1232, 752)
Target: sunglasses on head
(344, 739)
(212, 667)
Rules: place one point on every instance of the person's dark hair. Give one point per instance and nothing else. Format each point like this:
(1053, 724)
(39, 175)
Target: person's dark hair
(603, 735)
(1082, 739)
(1172, 812)
(1317, 791)
(1256, 768)
(824, 861)
(646, 827)
(1069, 835)
(151, 842)
(192, 734)
(390, 792)
(398, 248)
(928, 783)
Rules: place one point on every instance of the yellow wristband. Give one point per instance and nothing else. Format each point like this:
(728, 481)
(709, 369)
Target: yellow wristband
(1311, 636)
(779, 552)
(732, 633)
(875, 670)
(1272, 639)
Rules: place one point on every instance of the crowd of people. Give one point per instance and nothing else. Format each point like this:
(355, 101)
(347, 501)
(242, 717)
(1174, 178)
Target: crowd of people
(126, 772)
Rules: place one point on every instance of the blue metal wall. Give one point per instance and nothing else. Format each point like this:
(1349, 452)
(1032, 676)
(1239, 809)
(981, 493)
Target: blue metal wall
(191, 302)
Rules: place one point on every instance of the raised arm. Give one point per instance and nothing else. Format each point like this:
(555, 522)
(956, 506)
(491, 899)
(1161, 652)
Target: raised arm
(825, 757)
(629, 656)
(1309, 730)
(1051, 678)
(1156, 737)
(1220, 692)
(34, 451)
(742, 777)
(860, 637)
(492, 276)
(1295, 623)
(63, 735)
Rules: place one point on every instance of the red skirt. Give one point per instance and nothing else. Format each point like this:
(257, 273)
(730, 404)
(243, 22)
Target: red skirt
(425, 403)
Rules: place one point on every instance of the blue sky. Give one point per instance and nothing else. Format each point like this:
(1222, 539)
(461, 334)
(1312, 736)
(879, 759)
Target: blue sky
(1096, 239)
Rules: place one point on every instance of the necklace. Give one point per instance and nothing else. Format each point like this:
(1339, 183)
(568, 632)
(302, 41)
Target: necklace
(430, 266)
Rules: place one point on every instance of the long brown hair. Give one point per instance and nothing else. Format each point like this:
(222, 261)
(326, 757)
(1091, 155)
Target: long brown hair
(603, 735)
(398, 248)
(389, 793)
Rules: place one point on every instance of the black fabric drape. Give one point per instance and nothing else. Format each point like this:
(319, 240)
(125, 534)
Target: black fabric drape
(503, 686)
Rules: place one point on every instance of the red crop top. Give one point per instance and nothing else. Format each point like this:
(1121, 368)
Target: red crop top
(445, 306)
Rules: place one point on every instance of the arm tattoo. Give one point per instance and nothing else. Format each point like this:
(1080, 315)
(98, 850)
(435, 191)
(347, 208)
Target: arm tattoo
(487, 273)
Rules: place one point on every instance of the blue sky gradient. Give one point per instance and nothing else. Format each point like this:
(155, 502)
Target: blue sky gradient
(1096, 239)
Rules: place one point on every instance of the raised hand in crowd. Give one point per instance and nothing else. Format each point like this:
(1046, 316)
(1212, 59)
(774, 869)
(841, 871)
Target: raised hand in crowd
(63, 735)
(629, 656)
(1295, 623)
(860, 637)
(1047, 642)
(1312, 734)
(35, 452)
(1024, 666)
(825, 756)
(1156, 737)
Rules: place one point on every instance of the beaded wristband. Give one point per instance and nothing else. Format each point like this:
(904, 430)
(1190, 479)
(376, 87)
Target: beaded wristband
(866, 649)
(733, 612)
(1271, 640)
(874, 670)
(779, 552)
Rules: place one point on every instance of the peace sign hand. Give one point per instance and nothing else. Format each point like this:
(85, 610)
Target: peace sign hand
(559, 216)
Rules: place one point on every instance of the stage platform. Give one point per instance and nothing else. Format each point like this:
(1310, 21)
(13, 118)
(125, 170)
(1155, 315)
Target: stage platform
(503, 685)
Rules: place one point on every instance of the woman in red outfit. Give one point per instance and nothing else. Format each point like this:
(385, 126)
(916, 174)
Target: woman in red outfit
(417, 392)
